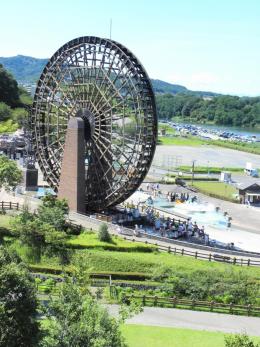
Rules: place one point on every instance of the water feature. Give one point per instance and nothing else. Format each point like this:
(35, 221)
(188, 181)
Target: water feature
(42, 191)
(203, 213)
(215, 222)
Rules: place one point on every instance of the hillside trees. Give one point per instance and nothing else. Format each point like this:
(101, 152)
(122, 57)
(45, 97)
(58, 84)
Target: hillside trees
(14, 102)
(9, 93)
(222, 109)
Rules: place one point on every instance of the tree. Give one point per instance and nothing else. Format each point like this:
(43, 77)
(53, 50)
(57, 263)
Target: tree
(5, 112)
(54, 212)
(40, 236)
(18, 303)
(10, 174)
(9, 93)
(238, 340)
(76, 319)
(19, 115)
(103, 233)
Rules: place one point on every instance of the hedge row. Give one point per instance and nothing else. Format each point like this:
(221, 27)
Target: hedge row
(115, 248)
(205, 170)
(131, 276)
(189, 178)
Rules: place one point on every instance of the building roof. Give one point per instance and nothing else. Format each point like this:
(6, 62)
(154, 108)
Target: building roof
(246, 185)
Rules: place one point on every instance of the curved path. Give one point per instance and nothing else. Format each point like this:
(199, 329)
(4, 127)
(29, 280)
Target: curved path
(170, 317)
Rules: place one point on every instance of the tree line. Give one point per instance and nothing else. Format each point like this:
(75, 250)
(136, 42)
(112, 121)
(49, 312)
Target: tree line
(222, 109)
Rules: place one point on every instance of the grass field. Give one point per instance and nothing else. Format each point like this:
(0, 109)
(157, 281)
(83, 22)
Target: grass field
(167, 128)
(220, 189)
(181, 141)
(111, 261)
(5, 221)
(150, 336)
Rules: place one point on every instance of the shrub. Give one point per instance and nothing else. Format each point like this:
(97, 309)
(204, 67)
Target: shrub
(238, 340)
(103, 233)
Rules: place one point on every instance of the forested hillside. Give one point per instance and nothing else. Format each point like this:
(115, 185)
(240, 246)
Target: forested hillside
(24, 69)
(13, 102)
(223, 109)
(172, 100)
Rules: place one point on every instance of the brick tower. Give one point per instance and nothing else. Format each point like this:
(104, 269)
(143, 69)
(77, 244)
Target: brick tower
(72, 178)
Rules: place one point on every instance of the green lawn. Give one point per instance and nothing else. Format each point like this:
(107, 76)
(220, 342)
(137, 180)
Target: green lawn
(5, 221)
(181, 141)
(107, 261)
(150, 336)
(219, 189)
(167, 128)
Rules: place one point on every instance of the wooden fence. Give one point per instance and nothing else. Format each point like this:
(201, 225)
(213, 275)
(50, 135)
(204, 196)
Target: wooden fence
(200, 255)
(211, 306)
(9, 205)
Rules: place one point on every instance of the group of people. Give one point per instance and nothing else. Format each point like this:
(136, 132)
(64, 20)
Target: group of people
(153, 188)
(173, 228)
(182, 197)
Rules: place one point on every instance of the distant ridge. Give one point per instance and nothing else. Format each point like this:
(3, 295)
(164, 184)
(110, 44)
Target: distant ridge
(162, 87)
(28, 70)
(24, 69)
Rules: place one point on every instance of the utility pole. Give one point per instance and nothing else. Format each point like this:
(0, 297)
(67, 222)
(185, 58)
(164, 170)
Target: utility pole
(110, 29)
(192, 178)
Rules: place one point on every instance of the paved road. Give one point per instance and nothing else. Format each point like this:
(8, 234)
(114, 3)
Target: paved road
(168, 317)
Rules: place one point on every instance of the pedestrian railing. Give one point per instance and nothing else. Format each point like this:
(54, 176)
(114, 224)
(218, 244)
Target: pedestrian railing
(211, 306)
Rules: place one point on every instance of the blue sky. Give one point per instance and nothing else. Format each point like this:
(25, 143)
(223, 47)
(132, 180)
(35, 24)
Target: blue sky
(202, 44)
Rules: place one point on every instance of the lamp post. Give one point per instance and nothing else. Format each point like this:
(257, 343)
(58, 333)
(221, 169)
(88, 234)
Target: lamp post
(192, 177)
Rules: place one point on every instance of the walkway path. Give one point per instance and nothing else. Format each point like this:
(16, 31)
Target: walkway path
(168, 317)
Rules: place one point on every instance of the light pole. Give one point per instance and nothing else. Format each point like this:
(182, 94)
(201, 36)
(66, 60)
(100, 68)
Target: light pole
(192, 177)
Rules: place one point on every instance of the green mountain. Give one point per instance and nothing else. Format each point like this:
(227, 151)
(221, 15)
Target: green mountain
(24, 69)
(161, 87)
(28, 69)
